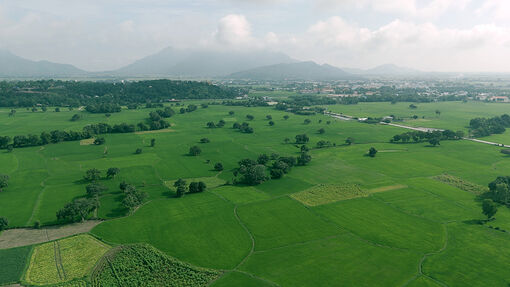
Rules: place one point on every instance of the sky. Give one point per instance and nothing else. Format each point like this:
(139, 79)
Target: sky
(430, 35)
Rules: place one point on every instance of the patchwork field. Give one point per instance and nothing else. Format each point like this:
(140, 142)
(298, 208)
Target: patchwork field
(407, 217)
(64, 260)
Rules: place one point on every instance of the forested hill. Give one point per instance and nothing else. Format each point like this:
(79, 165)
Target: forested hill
(72, 93)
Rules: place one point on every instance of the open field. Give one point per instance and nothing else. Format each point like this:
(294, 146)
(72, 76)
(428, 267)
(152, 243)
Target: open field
(330, 223)
(27, 236)
(64, 260)
(12, 264)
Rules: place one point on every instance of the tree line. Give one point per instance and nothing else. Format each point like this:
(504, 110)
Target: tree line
(154, 122)
(85, 93)
(481, 127)
(433, 138)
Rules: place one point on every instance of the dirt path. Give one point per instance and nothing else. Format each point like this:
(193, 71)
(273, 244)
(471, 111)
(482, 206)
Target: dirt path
(27, 236)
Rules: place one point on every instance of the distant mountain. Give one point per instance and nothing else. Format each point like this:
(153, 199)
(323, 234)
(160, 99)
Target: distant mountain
(200, 63)
(294, 71)
(385, 70)
(12, 66)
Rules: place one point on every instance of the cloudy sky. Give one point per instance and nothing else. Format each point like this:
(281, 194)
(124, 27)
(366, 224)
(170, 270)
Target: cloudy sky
(435, 35)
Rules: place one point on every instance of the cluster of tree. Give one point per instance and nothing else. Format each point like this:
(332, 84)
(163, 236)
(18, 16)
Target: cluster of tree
(75, 94)
(433, 138)
(212, 125)
(481, 127)
(325, 144)
(252, 102)
(194, 187)
(75, 117)
(103, 108)
(132, 197)
(255, 172)
(4, 223)
(302, 139)
(188, 109)
(499, 190)
(244, 127)
(88, 131)
(195, 150)
(78, 209)
(4, 181)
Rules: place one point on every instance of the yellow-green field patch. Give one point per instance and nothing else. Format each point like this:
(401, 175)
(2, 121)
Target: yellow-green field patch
(461, 184)
(64, 260)
(327, 193)
(155, 131)
(387, 188)
(87, 141)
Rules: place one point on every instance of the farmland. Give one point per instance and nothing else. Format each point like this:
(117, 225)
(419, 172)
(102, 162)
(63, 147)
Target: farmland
(410, 216)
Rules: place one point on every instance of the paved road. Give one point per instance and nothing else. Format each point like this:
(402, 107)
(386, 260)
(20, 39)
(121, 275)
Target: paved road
(422, 129)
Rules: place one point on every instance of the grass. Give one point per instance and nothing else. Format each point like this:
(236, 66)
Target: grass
(12, 264)
(64, 260)
(304, 231)
(143, 265)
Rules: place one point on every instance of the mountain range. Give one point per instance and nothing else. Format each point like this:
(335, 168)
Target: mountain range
(200, 64)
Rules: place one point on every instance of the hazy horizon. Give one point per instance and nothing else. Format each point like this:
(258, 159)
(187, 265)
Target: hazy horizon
(438, 35)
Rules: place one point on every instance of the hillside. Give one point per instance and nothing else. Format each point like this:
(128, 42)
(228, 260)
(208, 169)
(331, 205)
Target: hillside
(12, 66)
(294, 71)
(200, 63)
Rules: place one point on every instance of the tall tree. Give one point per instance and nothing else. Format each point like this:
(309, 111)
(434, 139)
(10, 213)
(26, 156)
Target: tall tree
(489, 208)
(4, 181)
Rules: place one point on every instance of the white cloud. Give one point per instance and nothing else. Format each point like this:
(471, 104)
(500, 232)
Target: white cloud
(426, 46)
(233, 30)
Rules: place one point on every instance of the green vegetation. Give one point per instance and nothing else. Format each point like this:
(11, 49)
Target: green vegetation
(12, 264)
(64, 260)
(143, 265)
(273, 212)
(327, 193)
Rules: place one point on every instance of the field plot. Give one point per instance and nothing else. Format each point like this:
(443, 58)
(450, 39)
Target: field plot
(64, 260)
(12, 264)
(143, 265)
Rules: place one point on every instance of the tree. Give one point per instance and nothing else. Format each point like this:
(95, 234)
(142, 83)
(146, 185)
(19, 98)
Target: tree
(321, 131)
(4, 181)
(218, 166)
(304, 159)
(285, 117)
(95, 189)
(307, 121)
(274, 156)
(231, 113)
(304, 148)
(181, 187)
(250, 117)
(434, 141)
(301, 139)
(153, 142)
(438, 113)
(413, 106)
(372, 152)
(194, 150)
(276, 173)
(489, 208)
(196, 187)
(459, 134)
(133, 198)
(286, 140)
(77, 210)
(271, 123)
(4, 223)
(211, 125)
(205, 140)
(138, 151)
(349, 141)
(92, 174)
(112, 172)
(99, 141)
(255, 174)
(123, 185)
(57, 110)
(263, 159)
(269, 117)
(75, 117)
